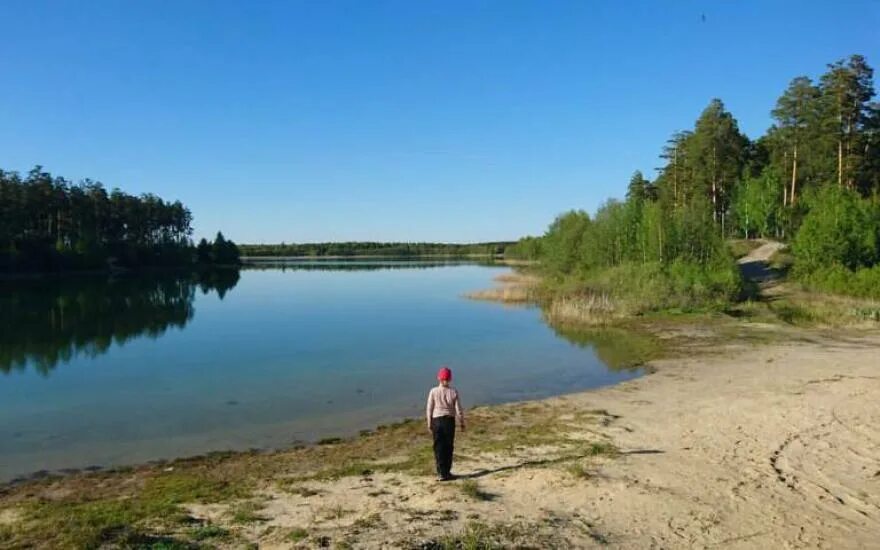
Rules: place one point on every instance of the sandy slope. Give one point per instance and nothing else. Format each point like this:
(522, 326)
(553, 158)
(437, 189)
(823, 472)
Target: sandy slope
(772, 448)
(769, 447)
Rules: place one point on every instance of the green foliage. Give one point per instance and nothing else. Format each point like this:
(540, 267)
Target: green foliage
(86, 523)
(825, 134)
(527, 248)
(602, 449)
(51, 224)
(757, 203)
(480, 536)
(716, 156)
(840, 228)
(203, 252)
(297, 534)
(646, 255)
(561, 249)
(837, 248)
(224, 252)
(810, 178)
(48, 223)
(681, 285)
(847, 113)
(792, 313)
(863, 282)
(248, 512)
(209, 531)
(640, 189)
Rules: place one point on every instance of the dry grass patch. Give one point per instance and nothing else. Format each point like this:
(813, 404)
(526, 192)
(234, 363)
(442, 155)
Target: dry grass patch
(516, 288)
(583, 309)
(481, 536)
(802, 307)
(247, 512)
(473, 491)
(579, 471)
(518, 278)
(297, 534)
(372, 521)
(333, 512)
(510, 294)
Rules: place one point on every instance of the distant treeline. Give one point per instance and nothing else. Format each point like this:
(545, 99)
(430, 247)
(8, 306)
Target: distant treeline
(375, 249)
(813, 179)
(48, 223)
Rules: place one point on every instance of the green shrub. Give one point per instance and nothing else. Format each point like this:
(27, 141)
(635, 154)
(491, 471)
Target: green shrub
(792, 313)
(688, 286)
(840, 228)
(209, 531)
(862, 283)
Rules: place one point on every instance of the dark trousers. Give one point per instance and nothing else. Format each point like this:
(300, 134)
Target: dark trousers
(443, 428)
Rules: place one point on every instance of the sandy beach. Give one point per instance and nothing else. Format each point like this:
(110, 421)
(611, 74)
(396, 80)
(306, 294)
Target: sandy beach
(743, 444)
(772, 447)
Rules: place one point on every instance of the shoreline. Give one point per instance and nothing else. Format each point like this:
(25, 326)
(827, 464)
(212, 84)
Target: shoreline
(315, 438)
(341, 426)
(495, 257)
(568, 470)
(115, 272)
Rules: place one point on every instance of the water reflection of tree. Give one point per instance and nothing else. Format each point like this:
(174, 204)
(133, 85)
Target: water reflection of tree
(47, 322)
(221, 280)
(355, 265)
(617, 348)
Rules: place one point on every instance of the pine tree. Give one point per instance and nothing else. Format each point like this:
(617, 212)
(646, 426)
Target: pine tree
(203, 252)
(796, 114)
(638, 187)
(716, 156)
(847, 89)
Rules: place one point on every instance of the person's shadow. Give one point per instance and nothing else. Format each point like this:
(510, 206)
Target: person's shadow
(545, 462)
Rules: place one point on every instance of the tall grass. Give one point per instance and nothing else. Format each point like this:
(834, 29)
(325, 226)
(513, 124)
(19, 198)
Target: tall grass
(516, 288)
(587, 309)
(603, 295)
(861, 283)
(511, 294)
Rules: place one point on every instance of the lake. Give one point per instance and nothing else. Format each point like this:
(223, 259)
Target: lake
(113, 371)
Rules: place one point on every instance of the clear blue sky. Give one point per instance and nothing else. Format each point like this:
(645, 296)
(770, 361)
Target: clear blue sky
(400, 120)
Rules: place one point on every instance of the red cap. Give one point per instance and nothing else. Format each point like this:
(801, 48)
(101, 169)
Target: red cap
(444, 374)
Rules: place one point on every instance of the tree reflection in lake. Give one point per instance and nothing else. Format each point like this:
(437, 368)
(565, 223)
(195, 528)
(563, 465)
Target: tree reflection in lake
(618, 349)
(47, 322)
(357, 264)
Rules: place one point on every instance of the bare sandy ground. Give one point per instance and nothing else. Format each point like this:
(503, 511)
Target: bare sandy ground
(776, 446)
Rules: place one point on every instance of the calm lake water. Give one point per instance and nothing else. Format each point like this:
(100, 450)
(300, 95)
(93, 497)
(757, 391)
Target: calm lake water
(110, 372)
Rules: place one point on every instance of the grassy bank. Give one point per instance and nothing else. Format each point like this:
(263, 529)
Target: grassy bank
(223, 499)
(766, 284)
(603, 297)
(634, 298)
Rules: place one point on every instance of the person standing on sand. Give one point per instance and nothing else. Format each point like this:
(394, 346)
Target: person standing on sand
(443, 408)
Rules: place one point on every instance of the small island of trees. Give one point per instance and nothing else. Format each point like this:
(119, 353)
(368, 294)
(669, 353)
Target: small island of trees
(48, 223)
